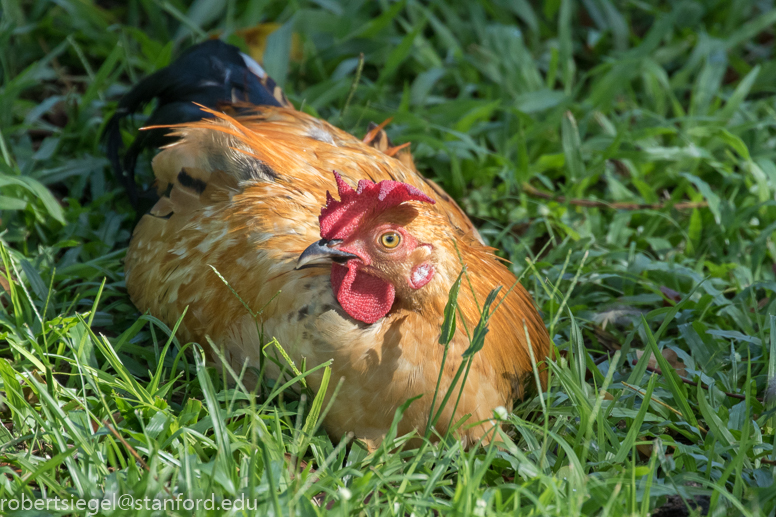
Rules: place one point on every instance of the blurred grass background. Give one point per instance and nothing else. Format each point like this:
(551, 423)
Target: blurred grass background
(619, 153)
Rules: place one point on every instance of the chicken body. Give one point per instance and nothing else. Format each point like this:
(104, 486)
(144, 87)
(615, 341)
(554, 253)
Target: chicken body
(244, 195)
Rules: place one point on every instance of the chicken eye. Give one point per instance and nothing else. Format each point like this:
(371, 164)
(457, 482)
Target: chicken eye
(390, 240)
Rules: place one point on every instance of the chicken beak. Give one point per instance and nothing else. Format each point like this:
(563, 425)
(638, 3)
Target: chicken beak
(323, 253)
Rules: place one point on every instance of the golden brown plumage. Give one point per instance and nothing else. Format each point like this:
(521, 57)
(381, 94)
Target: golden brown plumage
(244, 194)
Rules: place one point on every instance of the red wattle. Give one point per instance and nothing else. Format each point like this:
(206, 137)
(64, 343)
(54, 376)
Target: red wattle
(363, 296)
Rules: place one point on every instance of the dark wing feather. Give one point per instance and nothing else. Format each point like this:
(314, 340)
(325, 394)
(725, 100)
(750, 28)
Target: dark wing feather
(213, 74)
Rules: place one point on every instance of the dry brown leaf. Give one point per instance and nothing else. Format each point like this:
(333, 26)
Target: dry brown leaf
(256, 40)
(672, 295)
(4, 285)
(645, 449)
(669, 356)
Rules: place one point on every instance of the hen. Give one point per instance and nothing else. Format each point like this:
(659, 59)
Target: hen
(343, 250)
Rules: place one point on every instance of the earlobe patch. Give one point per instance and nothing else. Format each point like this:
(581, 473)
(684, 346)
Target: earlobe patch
(421, 275)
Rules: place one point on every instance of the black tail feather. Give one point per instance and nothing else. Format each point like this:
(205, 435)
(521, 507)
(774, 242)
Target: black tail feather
(212, 73)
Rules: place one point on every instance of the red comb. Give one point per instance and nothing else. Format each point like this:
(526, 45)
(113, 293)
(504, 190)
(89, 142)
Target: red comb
(338, 219)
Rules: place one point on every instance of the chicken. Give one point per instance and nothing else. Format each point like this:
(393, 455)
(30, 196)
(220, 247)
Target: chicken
(338, 246)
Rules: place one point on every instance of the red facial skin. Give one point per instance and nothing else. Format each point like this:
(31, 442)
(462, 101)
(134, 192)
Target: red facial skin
(367, 287)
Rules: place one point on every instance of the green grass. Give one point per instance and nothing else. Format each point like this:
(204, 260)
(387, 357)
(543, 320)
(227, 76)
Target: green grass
(571, 132)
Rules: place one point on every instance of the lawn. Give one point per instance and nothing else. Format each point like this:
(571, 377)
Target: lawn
(621, 154)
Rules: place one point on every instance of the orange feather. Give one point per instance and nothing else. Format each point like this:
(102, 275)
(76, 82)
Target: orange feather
(244, 197)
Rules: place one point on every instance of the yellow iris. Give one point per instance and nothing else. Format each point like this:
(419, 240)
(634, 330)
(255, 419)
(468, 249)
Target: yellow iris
(390, 239)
